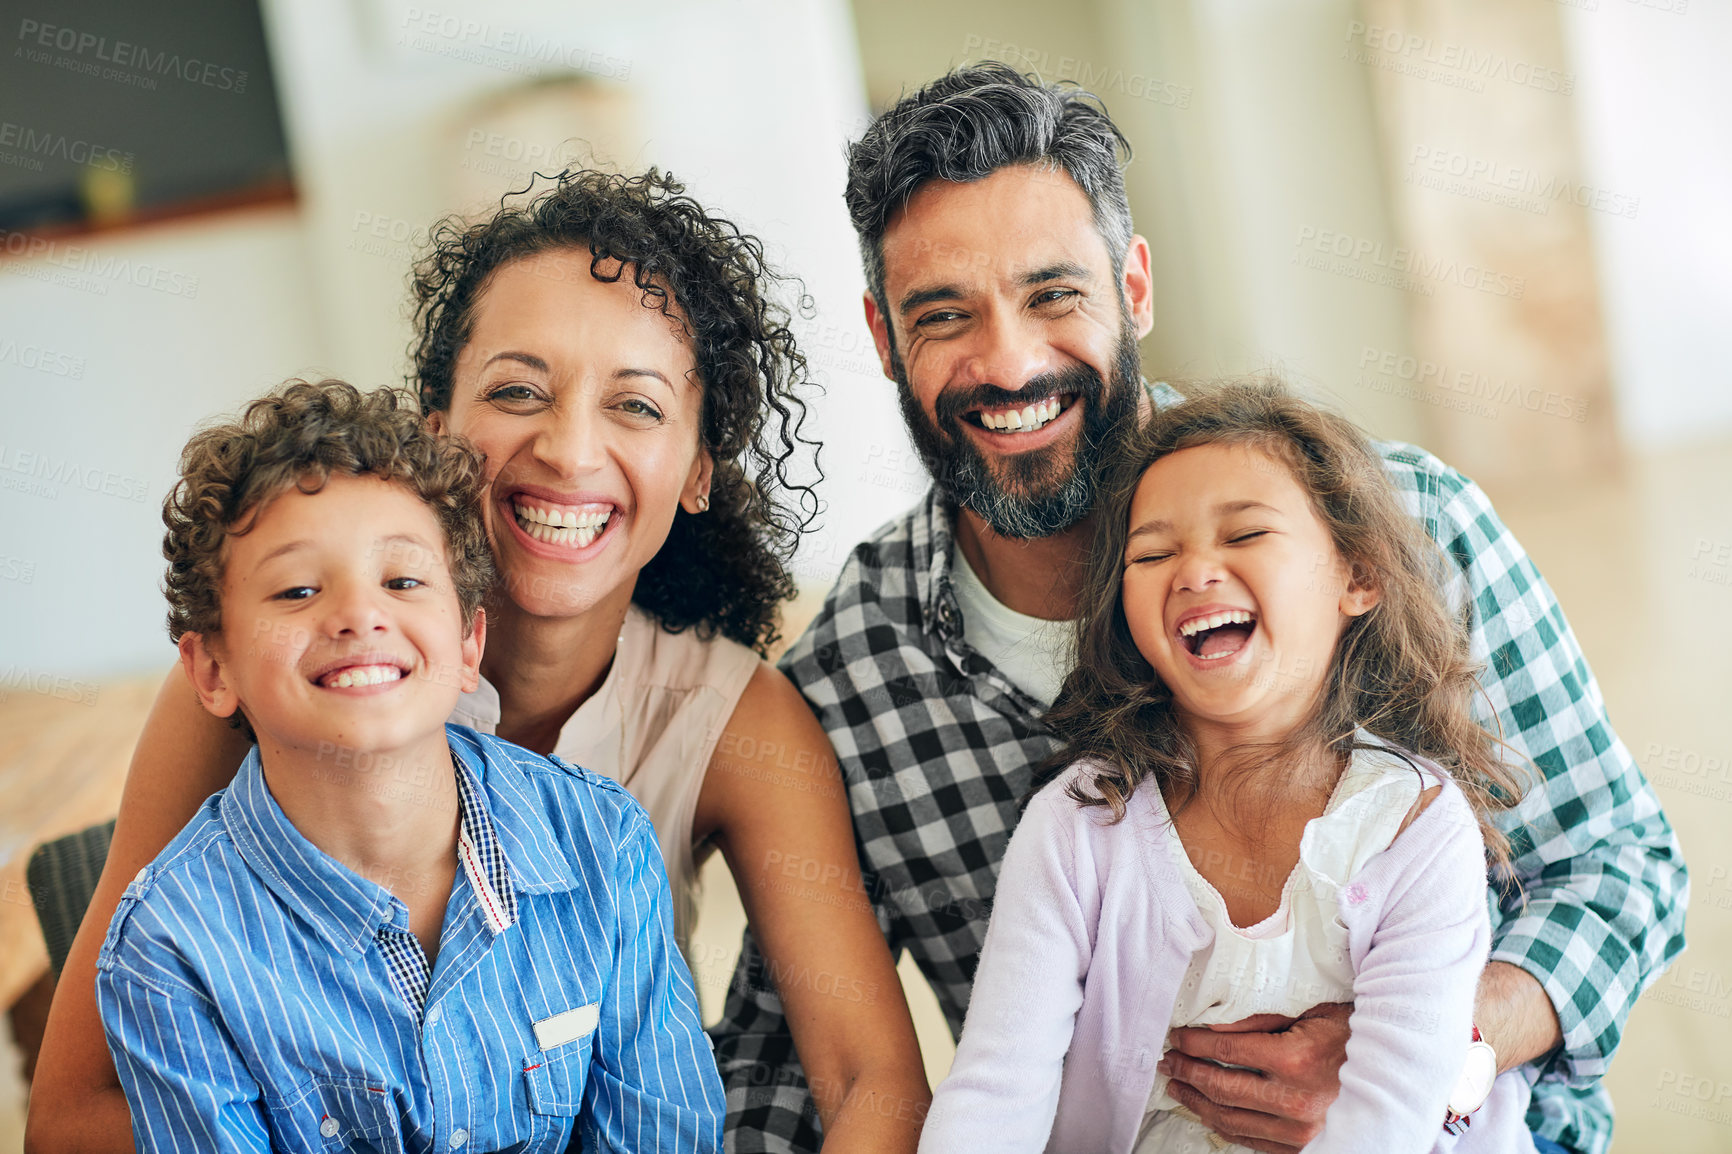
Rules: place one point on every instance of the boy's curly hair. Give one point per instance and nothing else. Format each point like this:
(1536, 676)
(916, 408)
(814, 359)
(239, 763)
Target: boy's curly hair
(299, 435)
(723, 571)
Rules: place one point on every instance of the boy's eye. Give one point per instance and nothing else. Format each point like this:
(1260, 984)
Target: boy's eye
(295, 593)
(1247, 536)
(404, 583)
(1148, 558)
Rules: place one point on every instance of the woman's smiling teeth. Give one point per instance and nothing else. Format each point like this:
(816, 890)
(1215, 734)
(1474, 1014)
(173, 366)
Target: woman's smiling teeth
(552, 526)
(361, 675)
(1023, 420)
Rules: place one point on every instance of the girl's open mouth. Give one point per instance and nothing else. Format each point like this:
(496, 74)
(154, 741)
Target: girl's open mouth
(1219, 635)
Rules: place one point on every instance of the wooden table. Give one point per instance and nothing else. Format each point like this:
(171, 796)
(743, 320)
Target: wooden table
(63, 759)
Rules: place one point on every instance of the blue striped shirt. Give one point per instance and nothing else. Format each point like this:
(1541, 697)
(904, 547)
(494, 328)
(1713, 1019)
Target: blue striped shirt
(249, 1004)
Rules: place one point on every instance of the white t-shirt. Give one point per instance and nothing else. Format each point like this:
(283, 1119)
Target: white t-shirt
(1034, 653)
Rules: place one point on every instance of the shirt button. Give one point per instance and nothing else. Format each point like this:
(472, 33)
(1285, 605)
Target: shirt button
(458, 1137)
(329, 1127)
(434, 1015)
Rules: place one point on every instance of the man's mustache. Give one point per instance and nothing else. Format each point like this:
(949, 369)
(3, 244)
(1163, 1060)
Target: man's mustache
(952, 403)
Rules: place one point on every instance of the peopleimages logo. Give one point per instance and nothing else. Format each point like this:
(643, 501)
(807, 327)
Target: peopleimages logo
(37, 146)
(1361, 258)
(1457, 65)
(1514, 186)
(92, 267)
(131, 63)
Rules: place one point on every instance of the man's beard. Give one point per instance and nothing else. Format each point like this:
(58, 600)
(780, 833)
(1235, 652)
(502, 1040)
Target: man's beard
(1043, 491)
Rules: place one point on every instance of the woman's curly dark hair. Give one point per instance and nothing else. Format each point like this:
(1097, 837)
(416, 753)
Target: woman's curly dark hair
(723, 571)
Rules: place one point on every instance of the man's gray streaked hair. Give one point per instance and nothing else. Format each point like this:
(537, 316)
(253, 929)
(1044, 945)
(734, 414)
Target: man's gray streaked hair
(968, 124)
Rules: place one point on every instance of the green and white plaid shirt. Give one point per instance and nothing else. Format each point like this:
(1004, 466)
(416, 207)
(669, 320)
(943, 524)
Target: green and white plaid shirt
(937, 747)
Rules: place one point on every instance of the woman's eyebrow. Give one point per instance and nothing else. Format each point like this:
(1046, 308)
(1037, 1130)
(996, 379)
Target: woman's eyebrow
(529, 359)
(634, 372)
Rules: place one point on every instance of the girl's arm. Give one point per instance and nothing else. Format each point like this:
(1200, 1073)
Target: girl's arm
(183, 756)
(780, 817)
(1413, 992)
(1003, 1089)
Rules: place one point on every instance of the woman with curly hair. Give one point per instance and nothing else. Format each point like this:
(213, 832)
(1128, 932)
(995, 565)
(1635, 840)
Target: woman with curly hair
(610, 349)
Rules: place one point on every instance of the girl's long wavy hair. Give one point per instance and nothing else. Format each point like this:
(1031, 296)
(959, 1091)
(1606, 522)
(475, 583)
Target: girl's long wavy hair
(726, 570)
(1401, 671)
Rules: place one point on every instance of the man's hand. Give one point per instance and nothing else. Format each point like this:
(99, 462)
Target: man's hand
(1277, 1105)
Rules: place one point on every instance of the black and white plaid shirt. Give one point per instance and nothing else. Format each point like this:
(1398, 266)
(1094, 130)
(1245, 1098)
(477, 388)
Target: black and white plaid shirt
(937, 747)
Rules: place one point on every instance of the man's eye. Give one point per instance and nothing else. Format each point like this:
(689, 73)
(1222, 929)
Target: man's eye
(942, 317)
(1051, 295)
(295, 593)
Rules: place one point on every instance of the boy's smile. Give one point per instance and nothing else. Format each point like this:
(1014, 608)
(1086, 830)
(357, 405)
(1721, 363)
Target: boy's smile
(340, 622)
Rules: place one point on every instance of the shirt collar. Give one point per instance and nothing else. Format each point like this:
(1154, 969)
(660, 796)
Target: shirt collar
(343, 907)
(930, 545)
(348, 910)
(533, 852)
(480, 855)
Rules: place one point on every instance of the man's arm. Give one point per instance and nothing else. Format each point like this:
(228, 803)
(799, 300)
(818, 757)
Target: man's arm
(1600, 910)
(184, 1082)
(652, 1084)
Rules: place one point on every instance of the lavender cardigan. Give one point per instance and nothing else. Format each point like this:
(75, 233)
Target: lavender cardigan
(1092, 931)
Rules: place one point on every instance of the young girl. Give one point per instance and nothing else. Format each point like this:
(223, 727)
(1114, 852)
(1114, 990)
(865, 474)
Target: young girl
(1272, 795)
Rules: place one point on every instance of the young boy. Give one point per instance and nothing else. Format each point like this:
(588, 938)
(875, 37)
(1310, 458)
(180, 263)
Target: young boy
(388, 933)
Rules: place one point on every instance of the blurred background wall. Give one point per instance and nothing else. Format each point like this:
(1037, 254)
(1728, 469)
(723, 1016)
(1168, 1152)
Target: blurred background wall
(1497, 228)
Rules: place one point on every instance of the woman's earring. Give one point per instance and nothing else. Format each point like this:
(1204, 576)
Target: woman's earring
(703, 502)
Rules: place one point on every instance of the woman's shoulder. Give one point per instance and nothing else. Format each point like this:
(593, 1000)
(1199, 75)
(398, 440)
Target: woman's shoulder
(687, 659)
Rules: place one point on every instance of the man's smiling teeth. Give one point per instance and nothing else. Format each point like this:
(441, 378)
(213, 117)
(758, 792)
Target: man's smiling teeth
(362, 675)
(1025, 419)
(560, 527)
(1196, 625)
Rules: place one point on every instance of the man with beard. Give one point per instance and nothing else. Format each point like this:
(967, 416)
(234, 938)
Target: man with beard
(1006, 293)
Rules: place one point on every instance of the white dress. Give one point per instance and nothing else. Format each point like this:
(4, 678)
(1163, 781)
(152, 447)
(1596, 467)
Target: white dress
(1295, 958)
(652, 726)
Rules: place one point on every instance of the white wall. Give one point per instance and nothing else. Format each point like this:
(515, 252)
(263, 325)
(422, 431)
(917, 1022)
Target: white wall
(1655, 114)
(111, 351)
(1278, 142)
(750, 102)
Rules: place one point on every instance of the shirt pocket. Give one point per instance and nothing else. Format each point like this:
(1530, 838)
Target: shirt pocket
(338, 1114)
(554, 1080)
